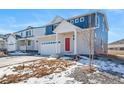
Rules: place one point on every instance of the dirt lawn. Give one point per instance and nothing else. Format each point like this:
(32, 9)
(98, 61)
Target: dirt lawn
(5, 61)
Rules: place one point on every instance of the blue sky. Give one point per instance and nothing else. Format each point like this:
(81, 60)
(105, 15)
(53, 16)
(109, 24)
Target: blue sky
(15, 20)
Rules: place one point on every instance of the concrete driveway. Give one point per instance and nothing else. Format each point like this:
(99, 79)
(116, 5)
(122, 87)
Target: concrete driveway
(6, 61)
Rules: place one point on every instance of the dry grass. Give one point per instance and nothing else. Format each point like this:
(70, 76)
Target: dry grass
(87, 69)
(119, 57)
(116, 52)
(36, 69)
(2, 54)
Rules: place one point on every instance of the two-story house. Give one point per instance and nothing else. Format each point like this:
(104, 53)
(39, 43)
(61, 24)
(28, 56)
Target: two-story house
(116, 47)
(25, 40)
(75, 35)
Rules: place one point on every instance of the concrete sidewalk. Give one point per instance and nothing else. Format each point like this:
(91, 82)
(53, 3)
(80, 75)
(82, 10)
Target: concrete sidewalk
(6, 61)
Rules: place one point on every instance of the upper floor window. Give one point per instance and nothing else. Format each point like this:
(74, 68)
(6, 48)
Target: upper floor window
(76, 20)
(82, 19)
(72, 21)
(28, 33)
(21, 33)
(55, 25)
(95, 35)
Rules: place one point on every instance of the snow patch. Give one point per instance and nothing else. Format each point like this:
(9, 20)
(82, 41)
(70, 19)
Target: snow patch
(105, 65)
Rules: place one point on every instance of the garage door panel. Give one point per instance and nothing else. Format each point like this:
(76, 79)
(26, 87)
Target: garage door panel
(48, 48)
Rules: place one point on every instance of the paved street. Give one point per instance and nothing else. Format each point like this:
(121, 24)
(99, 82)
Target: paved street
(17, 59)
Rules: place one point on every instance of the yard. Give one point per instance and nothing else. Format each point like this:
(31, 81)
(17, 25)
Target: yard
(44, 70)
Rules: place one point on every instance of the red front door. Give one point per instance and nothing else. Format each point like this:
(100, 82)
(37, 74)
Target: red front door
(67, 44)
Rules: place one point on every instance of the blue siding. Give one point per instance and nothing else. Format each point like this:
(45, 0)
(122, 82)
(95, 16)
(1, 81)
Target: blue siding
(102, 35)
(86, 23)
(83, 24)
(49, 30)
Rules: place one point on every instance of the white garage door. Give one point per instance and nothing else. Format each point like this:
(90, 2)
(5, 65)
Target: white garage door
(48, 48)
(11, 47)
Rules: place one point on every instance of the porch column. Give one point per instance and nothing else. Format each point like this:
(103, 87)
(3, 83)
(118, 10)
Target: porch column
(75, 42)
(56, 43)
(26, 45)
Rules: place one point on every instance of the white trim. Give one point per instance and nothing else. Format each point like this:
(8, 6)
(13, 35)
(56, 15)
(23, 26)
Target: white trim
(46, 36)
(56, 43)
(75, 42)
(96, 19)
(65, 45)
(82, 19)
(77, 20)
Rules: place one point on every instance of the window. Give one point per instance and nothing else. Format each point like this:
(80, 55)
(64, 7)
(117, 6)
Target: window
(102, 45)
(121, 48)
(72, 21)
(82, 19)
(111, 48)
(98, 21)
(95, 35)
(21, 33)
(28, 33)
(29, 43)
(76, 20)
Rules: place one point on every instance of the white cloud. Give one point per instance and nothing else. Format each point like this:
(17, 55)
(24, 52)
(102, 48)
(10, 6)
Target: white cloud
(5, 31)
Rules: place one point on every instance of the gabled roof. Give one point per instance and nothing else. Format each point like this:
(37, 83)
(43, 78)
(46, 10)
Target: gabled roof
(14, 35)
(57, 19)
(117, 42)
(65, 26)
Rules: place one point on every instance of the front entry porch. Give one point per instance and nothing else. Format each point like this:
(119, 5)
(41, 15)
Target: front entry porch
(66, 43)
(73, 40)
(25, 45)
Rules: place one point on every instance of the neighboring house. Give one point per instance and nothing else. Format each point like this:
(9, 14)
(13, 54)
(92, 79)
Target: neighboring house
(11, 42)
(65, 36)
(71, 36)
(28, 38)
(2, 43)
(116, 47)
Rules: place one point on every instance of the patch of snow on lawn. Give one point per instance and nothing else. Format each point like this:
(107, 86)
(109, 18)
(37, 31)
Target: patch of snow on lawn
(106, 65)
(6, 71)
(51, 58)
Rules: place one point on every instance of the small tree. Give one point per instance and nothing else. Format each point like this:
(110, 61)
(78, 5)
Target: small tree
(88, 36)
